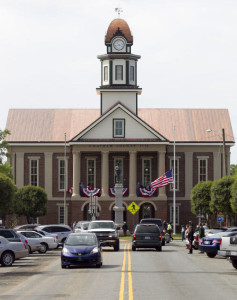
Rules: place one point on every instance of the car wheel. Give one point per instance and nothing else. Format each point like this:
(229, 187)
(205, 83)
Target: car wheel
(43, 248)
(133, 248)
(63, 267)
(7, 259)
(234, 263)
(29, 249)
(211, 255)
(116, 247)
(159, 248)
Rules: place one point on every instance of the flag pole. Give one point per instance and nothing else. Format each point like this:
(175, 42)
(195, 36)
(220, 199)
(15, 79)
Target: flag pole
(174, 187)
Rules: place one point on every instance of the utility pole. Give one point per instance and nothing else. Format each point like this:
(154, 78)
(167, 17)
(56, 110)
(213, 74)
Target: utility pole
(224, 154)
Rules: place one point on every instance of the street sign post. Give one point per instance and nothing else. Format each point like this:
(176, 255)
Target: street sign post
(133, 208)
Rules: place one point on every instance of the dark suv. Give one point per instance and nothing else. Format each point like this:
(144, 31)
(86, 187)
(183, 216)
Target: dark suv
(147, 236)
(106, 232)
(157, 222)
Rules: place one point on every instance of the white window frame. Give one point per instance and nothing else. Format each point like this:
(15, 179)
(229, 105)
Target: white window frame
(61, 214)
(201, 158)
(171, 213)
(177, 158)
(65, 175)
(120, 159)
(31, 159)
(143, 170)
(115, 127)
(87, 171)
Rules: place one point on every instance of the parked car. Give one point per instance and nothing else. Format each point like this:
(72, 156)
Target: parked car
(10, 235)
(159, 223)
(106, 232)
(147, 236)
(81, 249)
(31, 245)
(62, 231)
(81, 226)
(9, 251)
(46, 242)
(211, 244)
(228, 248)
(26, 227)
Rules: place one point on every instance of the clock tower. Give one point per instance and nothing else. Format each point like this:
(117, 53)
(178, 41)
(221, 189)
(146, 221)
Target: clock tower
(119, 69)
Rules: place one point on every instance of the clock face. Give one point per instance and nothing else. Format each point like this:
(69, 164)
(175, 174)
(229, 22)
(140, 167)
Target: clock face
(119, 44)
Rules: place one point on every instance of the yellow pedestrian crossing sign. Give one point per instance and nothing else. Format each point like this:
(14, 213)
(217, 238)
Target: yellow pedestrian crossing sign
(133, 208)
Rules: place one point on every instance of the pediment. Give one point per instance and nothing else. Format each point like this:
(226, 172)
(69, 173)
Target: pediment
(134, 127)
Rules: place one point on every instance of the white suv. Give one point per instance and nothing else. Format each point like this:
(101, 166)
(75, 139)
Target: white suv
(62, 231)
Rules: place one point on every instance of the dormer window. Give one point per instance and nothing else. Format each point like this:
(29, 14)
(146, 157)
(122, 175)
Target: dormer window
(118, 128)
(119, 72)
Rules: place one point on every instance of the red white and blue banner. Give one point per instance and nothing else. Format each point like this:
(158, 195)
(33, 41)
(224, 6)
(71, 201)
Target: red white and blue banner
(146, 192)
(70, 190)
(112, 191)
(87, 192)
(164, 180)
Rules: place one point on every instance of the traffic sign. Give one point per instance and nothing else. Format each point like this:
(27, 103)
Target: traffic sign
(220, 218)
(133, 208)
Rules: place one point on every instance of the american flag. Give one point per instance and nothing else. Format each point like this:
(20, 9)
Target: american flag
(164, 180)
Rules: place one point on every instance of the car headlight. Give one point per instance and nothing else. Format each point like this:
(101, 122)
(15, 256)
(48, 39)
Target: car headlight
(65, 251)
(95, 250)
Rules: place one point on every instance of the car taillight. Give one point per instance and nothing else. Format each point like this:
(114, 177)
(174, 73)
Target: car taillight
(216, 242)
(57, 237)
(163, 230)
(25, 245)
(26, 241)
(160, 236)
(134, 236)
(20, 240)
(220, 241)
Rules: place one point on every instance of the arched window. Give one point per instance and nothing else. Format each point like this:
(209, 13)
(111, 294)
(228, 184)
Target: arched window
(146, 211)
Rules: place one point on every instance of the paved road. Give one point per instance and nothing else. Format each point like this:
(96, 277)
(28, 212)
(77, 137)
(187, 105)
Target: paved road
(125, 275)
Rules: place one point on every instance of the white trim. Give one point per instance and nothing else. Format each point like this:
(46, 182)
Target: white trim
(37, 167)
(110, 112)
(143, 159)
(65, 175)
(177, 169)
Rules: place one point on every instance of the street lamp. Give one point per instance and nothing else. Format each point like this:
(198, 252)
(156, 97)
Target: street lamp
(224, 150)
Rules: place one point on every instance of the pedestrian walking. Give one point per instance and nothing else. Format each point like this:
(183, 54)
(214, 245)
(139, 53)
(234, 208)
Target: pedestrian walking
(183, 232)
(190, 239)
(169, 229)
(125, 228)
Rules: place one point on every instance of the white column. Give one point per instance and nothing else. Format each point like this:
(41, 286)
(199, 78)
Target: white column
(188, 174)
(132, 173)
(105, 173)
(48, 174)
(20, 169)
(76, 174)
(161, 170)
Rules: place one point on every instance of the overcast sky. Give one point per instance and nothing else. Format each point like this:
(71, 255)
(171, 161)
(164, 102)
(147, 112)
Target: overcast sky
(188, 48)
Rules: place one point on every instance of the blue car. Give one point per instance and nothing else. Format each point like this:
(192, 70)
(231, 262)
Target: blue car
(211, 244)
(81, 249)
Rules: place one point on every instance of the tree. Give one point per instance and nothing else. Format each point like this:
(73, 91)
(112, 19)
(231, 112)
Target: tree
(201, 197)
(233, 200)
(3, 144)
(221, 195)
(31, 201)
(7, 193)
(233, 169)
(6, 169)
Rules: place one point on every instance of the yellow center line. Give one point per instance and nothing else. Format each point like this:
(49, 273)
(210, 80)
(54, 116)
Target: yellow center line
(130, 289)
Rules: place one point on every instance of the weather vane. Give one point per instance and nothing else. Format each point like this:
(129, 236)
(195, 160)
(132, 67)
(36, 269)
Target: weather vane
(118, 10)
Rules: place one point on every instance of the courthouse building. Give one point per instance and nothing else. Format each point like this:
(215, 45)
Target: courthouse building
(140, 140)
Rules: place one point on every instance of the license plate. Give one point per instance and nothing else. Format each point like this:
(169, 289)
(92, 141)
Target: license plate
(147, 238)
(206, 243)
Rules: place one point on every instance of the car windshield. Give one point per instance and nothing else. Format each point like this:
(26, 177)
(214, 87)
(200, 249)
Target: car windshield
(79, 240)
(96, 225)
(147, 229)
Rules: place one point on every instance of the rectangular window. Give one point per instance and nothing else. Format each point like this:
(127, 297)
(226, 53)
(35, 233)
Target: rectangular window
(176, 174)
(119, 72)
(61, 214)
(91, 173)
(118, 126)
(34, 172)
(132, 73)
(146, 171)
(62, 174)
(202, 169)
(176, 216)
(106, 73)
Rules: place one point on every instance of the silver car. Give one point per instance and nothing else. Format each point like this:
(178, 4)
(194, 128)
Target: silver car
(9, 251)
(81, 226)
(32, 244)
